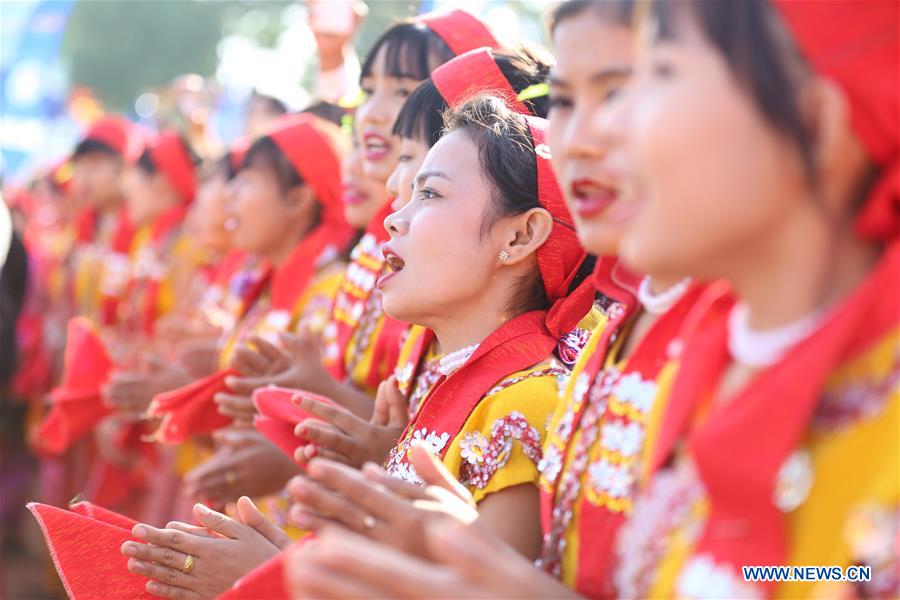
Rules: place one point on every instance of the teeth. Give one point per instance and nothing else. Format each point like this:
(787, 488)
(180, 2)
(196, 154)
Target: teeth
(394, 262)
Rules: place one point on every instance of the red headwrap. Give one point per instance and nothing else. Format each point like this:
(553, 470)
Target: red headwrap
(114, 131)
(857, 44)
(314, 158)
(472, 73)
(238, 153)
(170, 156)
(460, 30)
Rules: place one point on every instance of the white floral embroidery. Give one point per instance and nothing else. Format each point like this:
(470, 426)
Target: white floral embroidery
(703, 578)
(632, 388)
(551, 463)
(404, 375)
(624, 439)
(581, 387)
(794, 480)
(615, 480)
(405, 472)
(433, 439)
(472, 447)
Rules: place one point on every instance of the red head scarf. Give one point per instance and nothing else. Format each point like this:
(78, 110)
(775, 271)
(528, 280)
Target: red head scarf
(114, 131)
(856, 43)
(170, 156)
(472, 73)
(460, 30)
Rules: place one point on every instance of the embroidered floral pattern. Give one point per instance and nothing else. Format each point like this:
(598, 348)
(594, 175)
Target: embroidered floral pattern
(859, 400)
(570, 346)
(702, 577)
(872, 533)
(486, 456)
(506, 383)
(665, 506)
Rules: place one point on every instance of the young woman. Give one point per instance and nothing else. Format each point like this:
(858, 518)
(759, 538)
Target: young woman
(418, 127)
(360, 343)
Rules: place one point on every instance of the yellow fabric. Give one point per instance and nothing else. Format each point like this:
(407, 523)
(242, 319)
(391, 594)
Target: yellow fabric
(855, 468)
(533, 397)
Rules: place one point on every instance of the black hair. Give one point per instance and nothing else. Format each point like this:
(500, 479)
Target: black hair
(266, 152)
(327, 112)
(90, 146)
(762, 58)
(421, 117)
(273, 104)
(508, 160)
(411, 50)
(619, 12)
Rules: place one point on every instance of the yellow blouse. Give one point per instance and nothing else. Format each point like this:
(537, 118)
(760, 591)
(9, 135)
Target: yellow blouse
(844, 482)
(499, 445)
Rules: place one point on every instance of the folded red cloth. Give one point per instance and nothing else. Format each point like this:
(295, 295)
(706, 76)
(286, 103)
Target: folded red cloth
(86, 552)
(190, 410)
(77, 405)
(279, 415)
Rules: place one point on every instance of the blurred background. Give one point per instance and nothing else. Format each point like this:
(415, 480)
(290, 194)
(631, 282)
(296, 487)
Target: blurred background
(64, 62)
(210, 68)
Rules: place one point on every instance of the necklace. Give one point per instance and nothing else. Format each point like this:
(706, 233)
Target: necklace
(454, 360)
(765, 348)
(657, 304)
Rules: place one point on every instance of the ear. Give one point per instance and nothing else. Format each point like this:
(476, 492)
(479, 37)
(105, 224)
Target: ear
(525, 233)
(300, 201)
(838, 155)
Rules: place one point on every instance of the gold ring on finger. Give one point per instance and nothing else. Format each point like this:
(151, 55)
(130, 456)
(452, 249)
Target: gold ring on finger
(188, 565)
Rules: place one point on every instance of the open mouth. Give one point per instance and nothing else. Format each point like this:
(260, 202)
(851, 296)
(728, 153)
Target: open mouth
(394, 264)
(376, 146)
(590, 197)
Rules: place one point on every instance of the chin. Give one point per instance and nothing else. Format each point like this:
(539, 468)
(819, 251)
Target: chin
(401, 309)
(598, 239)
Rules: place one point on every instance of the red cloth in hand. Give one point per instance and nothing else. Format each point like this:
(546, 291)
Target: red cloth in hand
(190, 410)
(278, 416)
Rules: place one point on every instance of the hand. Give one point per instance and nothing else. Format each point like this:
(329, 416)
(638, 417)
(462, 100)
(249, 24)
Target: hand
(471, 564)
(257, 358)
(223, 552)
(130, 392)
(245, 463)
(331, 46)
(197, 356)
(106, 436)
(346, 438)
(376, 505)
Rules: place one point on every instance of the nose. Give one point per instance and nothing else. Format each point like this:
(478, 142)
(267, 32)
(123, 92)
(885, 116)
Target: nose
(396, 223)
(610, 124)
(374, 111)
(580, 140)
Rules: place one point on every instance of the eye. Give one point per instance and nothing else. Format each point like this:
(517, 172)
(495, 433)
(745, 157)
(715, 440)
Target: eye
(427, 194)
(662, 69)
(403, 92)
(367, 90)
(612, 93)
(559, 102)
(404, 158)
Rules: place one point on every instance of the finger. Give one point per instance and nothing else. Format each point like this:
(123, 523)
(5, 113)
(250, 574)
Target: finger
(305, 582)
(325, 436)
(245, 386)
(233, 404)
(339, 417)
(216, 521)
(369, 497)
(307, 452)
(169, 538)
(159, 573)
(473, 550)
(397, 404)
(247, 361)
(318, 499)
(252, 517)
(162, 590)
(273, 354)
(155, 554)
(192, 529)
(292, 344)
(404, 489)
(380, 411)
(433, 472)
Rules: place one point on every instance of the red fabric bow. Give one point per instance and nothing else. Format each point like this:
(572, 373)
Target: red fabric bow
(190, 410)
(472, 73)
(77, 405)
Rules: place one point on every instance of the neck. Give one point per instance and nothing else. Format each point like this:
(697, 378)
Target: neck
(279, 253)
(472, 322)
(802, 266)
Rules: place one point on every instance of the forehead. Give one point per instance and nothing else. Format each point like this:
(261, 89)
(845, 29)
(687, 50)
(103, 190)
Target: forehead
(455, 154)
(587, 44)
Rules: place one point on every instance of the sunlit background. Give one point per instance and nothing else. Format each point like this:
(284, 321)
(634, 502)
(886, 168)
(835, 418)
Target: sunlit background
(63, 62)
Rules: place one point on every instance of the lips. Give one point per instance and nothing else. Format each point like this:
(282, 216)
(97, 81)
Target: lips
(376, 147)
(352, 195)
(591, 197)
(394, 263)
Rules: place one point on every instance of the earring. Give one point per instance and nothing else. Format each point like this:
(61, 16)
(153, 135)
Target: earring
(504, 256)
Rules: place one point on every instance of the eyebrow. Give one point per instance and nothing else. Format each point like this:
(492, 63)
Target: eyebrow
(423, 175)
(600, 76)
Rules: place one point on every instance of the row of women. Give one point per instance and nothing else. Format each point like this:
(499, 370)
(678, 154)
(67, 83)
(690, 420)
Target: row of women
(619, 322)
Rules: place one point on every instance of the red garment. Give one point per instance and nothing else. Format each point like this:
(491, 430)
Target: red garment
(171, 157)
(856, 43)
(189, 410)
(738, 473)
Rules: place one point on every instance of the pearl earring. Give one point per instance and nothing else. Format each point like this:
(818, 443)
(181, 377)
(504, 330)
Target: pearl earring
(504, 256)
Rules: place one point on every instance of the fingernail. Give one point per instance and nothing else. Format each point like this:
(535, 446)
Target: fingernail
(140, 531)
(217, 398)
(129, 549)
(311, 451)
(230, 381)
(202, 508)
